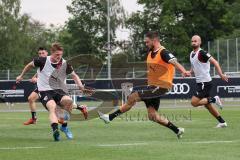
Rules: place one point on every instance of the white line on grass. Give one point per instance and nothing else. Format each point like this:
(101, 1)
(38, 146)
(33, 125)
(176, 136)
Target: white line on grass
(210, 142)
(124, 144)
(15, 148)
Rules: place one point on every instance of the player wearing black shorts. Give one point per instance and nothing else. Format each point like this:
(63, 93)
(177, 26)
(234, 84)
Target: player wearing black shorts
(33, 97)
(51, 82)
(200, 66)
(161, 68)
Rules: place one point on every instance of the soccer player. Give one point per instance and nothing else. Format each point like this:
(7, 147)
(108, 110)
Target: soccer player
(52, 74)
(161, 68)
(200, 66)
(33, 97)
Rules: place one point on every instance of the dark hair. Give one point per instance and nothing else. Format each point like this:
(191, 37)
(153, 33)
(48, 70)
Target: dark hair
(152, 35)
(41, 48)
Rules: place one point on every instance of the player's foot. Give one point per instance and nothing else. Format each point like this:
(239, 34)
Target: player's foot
(180, 132)
(83, 109)
(221, 125)
(30, 121)
(218, 102)
(56, 135)
(104, 117)
(67, 132)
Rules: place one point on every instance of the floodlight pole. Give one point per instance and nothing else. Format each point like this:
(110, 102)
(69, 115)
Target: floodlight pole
(109, 39)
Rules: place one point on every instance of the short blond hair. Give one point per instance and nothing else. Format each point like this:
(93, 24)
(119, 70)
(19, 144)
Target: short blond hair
(56, 47)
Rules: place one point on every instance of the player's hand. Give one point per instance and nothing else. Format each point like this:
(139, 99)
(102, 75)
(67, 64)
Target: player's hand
(33, 80)
(224, 77)
(19, 79)
(186, 74)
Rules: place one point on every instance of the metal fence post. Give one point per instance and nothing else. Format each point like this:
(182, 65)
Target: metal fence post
(8, 74)
(237, 53)
(228, 55)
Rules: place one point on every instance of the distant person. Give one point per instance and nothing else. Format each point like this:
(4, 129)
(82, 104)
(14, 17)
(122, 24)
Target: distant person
(200, 66)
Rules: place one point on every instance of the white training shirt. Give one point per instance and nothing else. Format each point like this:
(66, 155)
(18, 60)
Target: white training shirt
(50, 78)
(201, 65)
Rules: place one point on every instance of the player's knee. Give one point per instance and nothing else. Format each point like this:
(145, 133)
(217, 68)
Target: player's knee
(152, 117)
(66, 102)
(194, 104)
(131, 99)
(30, 99)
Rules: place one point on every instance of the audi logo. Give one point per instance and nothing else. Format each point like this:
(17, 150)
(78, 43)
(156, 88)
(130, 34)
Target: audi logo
(180, 88)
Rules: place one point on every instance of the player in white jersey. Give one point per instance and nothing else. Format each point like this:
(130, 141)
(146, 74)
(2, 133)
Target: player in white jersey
(200, 66)
(52, 74)
(33, 97)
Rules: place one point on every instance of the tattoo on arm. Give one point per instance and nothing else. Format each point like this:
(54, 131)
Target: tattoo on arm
(173, 61)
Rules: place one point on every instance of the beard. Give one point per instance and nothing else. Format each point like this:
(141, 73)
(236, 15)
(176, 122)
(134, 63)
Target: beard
(195, 46)
(151, 48)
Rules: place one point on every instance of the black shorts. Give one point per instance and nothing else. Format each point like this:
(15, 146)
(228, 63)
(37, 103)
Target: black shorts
(150, 95)
(203, 90)
(36, 90)
(55, 95)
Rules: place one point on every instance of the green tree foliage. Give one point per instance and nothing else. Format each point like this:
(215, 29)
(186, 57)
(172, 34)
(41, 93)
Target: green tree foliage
(20, 36)
(87, 28)
(178, 20)
(11, 28)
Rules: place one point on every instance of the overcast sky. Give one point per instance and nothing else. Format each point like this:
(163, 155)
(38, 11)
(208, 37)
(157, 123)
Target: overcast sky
(55, 12)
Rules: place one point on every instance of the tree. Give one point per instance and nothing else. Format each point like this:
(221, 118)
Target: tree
(178, 20)
(86, 31)
(11, 28)
(21, 36)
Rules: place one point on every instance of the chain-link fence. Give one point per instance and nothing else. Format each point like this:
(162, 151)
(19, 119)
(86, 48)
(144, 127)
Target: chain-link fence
(226, 51)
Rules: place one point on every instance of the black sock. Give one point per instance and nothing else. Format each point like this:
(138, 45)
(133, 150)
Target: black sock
(220, 119)
(64, 124)
(54, 126)
(172, 127)
(211, 100)
(34, 115)
(114, 114)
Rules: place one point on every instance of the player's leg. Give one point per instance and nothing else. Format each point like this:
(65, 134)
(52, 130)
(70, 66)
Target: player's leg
(67, 103)
(51, 106)
(83, 109)
(49, 103)
(202, 95)
(132, 99)
(32, 98)
(214, 112)
(196, 101)
(152, 108)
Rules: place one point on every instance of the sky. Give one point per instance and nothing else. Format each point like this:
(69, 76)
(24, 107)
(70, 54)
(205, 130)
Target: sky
(55, 12)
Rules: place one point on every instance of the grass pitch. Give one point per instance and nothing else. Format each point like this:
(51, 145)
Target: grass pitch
(130, 137)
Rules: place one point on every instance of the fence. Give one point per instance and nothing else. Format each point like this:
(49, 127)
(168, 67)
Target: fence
(226, 51)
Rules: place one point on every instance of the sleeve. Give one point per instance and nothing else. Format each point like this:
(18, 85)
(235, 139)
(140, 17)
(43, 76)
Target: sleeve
(167, 56)
(39, 61)
(69, 69)
(203, 56)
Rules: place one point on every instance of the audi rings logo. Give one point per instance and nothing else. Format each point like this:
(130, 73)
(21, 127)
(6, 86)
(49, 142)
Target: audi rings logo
(180, 88)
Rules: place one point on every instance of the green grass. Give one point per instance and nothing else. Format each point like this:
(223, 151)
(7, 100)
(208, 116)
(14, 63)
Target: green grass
(124, 139)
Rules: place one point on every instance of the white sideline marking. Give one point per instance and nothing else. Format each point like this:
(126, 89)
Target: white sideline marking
(15, 148)
(125, 144)
(210, 142)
